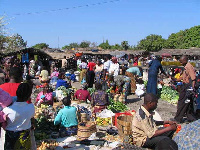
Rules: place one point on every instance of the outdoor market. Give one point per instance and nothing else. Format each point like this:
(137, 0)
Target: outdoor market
(101, 99)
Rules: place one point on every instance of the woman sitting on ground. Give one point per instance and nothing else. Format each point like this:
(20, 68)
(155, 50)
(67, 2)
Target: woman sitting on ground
(45, 96)
(67, 118)
(99, 99)
(54, 76)
(19, 116)
(61, 81)
(82, 94)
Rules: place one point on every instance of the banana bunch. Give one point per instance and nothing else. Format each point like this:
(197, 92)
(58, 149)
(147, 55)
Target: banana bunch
(103, 121)
(177, 76)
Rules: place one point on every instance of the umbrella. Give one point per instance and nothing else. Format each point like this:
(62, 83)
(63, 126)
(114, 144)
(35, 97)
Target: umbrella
(188, 137)
(166, 55)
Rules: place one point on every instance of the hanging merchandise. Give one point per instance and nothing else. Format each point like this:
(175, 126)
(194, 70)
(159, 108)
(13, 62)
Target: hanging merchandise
(25, 58)
(19, 56)
(35, 57)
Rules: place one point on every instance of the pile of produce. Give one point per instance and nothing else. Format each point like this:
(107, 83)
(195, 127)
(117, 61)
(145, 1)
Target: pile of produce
(47, 145)
(145, 83)
(91, 90)
(65, 91)
(44, 116)
(169, 95)
(103, 121)
(116, 106)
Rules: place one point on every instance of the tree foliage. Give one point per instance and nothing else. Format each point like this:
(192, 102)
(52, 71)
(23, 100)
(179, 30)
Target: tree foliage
(116, 47)
(15, 43)
(73, 45)
(40, 46)
(105, 45)
(85, 44)
(3, 24)
(66, 47)
(125, 45)
(152, 43)
(184, 39)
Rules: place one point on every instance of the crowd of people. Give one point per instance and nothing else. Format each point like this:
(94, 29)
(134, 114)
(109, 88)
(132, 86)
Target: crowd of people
(116, 75)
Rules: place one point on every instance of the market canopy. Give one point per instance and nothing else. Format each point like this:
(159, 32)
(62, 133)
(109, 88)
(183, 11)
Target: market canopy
(31, 51)
(179, 52)
(118, 54)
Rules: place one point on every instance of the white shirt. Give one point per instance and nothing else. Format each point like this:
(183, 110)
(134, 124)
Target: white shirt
(114, 67)
(106, 65)
(19, 116)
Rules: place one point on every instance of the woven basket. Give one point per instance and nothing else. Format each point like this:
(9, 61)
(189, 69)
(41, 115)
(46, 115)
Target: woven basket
(124, 125)
(84, 132)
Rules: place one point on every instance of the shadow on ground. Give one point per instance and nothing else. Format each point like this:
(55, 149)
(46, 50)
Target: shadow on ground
(133, 100)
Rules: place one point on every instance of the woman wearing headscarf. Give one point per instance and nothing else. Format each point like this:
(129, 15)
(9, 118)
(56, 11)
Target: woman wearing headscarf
(82, 94)
(99, 99)
(45, 96)
(44, 75)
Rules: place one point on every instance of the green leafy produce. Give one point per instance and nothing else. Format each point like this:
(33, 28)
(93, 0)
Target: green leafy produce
(169, 95)
(145, 83)
(91, 90)
(66, 92)
(116, 106)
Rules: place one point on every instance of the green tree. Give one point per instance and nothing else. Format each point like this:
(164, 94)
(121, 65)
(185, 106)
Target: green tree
(105, 45)
(3, 38)
(125, 45)
(14, 43)
(85, 44)
(66, 47)
(152, 43)
(184, 39)
(73, 45)
(40, 46)
(116, 47)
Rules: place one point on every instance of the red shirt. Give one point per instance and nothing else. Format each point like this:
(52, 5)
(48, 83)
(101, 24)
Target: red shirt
(91, 66)
(82, 95)
(10, 88)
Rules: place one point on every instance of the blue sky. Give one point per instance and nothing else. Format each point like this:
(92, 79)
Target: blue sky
(130, 20)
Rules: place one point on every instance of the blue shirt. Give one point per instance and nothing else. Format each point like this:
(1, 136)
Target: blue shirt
(135, 71)
(155, 66)
(66, 117)
(61, 82)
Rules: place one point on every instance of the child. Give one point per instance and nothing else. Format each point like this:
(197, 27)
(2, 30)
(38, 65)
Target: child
(67, 118)
(140, 88)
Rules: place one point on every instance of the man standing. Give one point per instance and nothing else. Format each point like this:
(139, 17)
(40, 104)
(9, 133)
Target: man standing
(188, 78)
(90, 73)
(145, 131)
(64, 63)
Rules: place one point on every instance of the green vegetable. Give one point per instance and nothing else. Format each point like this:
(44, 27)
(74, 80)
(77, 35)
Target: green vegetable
(91, 90)
(169, 95)
(117, 106)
